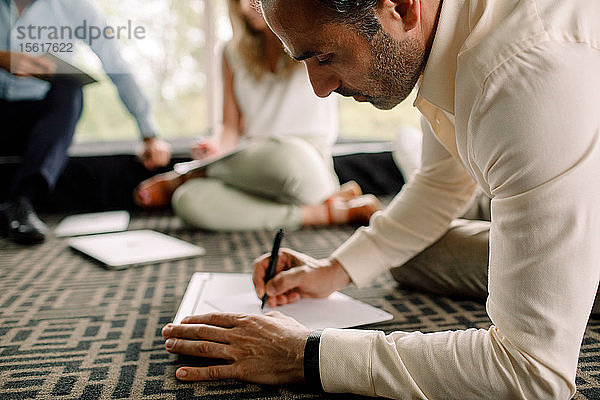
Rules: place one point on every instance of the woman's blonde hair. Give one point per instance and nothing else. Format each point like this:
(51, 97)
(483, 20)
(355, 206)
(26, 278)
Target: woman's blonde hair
(249, 45)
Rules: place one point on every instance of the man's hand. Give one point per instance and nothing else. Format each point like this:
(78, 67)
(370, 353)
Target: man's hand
(157, 153)
(298, 275)
(22, 64)
(266, 349)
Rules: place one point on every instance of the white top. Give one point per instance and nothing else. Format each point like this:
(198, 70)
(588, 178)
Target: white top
(511, 90)
(282, 106)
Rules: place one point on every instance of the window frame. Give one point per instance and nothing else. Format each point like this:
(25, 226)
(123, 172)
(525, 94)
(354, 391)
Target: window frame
(180, 145)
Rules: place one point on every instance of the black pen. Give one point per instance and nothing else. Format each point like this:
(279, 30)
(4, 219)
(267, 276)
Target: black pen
(272, 263)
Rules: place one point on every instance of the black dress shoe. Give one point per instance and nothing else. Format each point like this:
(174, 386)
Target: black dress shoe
(20, 222)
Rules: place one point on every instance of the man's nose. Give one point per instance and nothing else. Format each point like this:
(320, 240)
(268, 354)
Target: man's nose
(322, 80)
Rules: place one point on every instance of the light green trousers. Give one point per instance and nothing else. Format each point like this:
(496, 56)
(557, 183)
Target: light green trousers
(259, 188)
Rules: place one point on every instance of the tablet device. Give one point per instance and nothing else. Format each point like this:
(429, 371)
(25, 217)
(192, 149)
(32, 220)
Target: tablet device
(232, 292)
(125, 249)
(66, 69)
(183, 168)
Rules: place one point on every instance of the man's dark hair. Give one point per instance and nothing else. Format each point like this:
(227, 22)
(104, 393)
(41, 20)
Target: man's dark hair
(356, 13)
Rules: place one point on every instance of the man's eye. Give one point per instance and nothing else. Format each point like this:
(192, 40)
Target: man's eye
(324, 59)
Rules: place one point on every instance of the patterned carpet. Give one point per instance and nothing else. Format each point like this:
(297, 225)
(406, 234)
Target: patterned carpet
(70, 329)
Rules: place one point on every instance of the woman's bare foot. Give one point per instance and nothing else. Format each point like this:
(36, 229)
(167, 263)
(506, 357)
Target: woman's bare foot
(356, 211)
(156, 192)
(337, 210)
(348, 190)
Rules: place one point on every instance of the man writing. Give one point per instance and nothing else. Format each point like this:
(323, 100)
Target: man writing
(510, 90)
(38, 118)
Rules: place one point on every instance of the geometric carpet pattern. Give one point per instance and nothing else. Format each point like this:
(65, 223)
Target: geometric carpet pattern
(70, 329)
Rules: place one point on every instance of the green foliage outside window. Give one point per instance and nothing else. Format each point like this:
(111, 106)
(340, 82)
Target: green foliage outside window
(170, 65)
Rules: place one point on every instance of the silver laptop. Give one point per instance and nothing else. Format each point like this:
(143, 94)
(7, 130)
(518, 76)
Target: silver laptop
(88, 224)
(125, 249)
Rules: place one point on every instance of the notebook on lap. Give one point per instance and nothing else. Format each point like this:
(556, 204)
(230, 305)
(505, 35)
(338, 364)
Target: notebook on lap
(185, 167)
(66, 69)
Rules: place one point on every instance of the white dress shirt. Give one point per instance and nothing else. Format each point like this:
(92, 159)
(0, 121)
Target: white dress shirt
(512, 92)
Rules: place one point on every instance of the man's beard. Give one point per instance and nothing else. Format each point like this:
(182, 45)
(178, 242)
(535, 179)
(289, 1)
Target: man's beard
(393, 73)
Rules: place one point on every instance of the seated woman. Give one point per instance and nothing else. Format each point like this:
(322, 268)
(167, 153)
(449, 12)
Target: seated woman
(286, 177)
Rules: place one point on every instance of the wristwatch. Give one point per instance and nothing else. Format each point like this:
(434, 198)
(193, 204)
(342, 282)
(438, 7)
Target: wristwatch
(312, 376)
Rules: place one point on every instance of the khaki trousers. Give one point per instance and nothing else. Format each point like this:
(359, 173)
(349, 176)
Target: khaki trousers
(457, 264)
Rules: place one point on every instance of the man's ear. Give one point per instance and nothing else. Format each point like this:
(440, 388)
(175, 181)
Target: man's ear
(406, 12)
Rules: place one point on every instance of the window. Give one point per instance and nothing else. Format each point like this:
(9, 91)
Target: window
(171, 64)
(180, 75)
(363, 121)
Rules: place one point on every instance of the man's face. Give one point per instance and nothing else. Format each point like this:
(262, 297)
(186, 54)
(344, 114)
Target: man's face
(382, 70)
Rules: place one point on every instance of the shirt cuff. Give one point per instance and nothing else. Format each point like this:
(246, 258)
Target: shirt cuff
(360, 258)
(312, 375)
(345, 361)
(147, 126)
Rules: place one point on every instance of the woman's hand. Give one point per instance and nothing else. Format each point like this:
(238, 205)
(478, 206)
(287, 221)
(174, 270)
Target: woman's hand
(296, 276)
(205, 147)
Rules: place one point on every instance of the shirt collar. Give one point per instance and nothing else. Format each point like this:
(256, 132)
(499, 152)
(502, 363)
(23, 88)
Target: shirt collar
(437, 84)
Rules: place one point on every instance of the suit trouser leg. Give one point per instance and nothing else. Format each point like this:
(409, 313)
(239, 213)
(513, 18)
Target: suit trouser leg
(49, 127)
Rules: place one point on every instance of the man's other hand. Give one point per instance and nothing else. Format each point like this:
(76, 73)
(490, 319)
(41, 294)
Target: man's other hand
(157, 153)
(296, 276)
(21, 64)
(264, 349)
